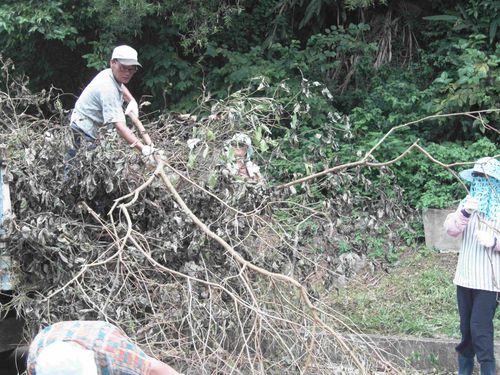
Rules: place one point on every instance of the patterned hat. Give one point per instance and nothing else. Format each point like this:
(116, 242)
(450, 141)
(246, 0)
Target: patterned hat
(487, 165)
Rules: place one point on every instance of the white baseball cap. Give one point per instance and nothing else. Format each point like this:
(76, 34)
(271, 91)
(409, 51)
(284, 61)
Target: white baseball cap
(65, 358)
(126, 55)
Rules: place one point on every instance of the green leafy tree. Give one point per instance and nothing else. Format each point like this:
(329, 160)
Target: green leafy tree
(36, 35)
(72, 40)
(465, 57)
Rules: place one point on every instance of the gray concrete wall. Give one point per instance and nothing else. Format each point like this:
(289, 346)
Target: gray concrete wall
(428, 355)
(435, 235)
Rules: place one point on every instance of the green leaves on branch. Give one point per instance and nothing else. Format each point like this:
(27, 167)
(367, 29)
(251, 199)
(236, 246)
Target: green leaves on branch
(470, 81)
(19, 19)
(475, 17)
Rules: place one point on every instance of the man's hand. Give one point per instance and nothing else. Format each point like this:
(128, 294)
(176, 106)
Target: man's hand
(132, 108)
(471, 204)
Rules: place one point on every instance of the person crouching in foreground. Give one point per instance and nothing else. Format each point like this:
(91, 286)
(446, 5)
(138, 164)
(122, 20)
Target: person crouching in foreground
(477, 274)
(89, 348)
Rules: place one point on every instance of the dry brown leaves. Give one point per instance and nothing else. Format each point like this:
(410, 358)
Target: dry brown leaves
(154, 272)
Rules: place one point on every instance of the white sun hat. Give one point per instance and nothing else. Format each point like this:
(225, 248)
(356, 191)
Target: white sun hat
(65, 358)
(126, 55)
(487, 165)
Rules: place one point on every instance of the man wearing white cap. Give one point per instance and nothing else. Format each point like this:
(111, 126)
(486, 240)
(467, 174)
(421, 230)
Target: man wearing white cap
(90, 348)
(101, 102)
(478, 269)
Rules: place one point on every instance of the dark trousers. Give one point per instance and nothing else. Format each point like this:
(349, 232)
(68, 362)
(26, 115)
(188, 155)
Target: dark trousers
(476, 309)
(80, 138)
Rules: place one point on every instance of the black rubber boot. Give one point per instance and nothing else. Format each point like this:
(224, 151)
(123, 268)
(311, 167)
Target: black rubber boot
(465, 365)
(488, 368)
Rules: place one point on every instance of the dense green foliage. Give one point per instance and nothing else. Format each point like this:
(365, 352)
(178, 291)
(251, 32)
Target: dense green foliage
(344, 73)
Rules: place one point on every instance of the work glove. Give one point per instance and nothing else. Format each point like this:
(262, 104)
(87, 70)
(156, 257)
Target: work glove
(485, 238)
(133, 108)
(148, 150)
(471, 204)
(152, 153)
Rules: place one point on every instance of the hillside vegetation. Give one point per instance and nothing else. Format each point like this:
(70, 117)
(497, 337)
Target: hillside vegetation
(359, 114)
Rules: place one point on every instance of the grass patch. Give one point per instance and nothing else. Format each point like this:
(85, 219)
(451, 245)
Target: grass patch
(415, 296)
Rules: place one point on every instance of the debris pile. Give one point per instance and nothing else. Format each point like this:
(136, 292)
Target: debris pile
(209, 267)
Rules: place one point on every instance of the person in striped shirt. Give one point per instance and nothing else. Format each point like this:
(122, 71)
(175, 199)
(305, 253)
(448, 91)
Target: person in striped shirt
(477, 275)
(89, 348)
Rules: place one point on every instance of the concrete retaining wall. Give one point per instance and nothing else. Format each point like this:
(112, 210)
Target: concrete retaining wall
(435, 236)
(429, 356)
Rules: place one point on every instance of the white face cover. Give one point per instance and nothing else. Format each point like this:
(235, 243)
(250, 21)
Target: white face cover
(65, 358)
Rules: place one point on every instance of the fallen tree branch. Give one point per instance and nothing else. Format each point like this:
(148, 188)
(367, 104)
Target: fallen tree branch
(364, 161)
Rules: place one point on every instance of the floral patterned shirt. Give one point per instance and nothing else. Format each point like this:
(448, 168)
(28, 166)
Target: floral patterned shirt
(115, 353)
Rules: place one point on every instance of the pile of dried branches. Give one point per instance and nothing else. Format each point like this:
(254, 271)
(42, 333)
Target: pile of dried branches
(208, 271)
